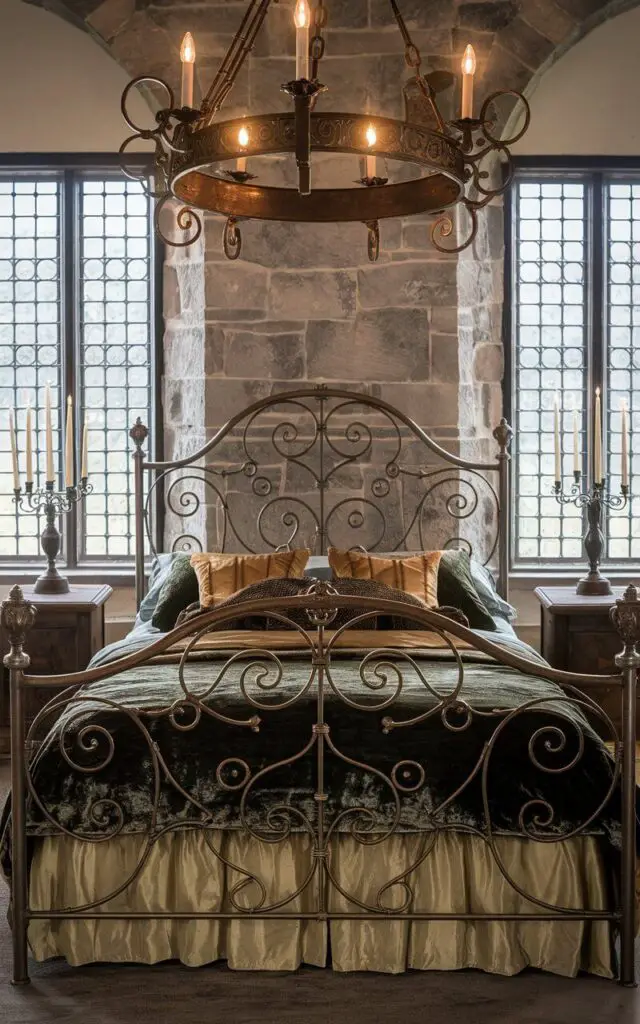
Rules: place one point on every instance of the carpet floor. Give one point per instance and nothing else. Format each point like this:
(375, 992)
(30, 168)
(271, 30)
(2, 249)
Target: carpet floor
(173, 994)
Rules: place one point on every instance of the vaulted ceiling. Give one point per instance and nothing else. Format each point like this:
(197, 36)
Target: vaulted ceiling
(514, 39)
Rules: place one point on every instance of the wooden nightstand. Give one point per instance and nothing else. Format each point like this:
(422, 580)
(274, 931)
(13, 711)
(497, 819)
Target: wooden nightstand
(576, 634)
(68, 631)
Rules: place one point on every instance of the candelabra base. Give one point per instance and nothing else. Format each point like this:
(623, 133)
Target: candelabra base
(51, 582)
(594, 584)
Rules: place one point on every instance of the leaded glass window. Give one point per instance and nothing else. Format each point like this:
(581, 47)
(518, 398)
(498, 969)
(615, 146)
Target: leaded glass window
(77, 311)
(575, 313)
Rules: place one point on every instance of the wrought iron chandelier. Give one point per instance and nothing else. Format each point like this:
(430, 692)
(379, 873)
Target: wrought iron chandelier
(201, 160)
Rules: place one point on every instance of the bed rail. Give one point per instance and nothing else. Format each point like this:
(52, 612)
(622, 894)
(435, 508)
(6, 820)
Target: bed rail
(259, 678)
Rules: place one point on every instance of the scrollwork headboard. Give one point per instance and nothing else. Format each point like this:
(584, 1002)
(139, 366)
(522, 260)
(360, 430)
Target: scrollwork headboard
(321, 466)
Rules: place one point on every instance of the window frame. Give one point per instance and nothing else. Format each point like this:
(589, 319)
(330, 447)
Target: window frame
(70, 167)
(593, 171)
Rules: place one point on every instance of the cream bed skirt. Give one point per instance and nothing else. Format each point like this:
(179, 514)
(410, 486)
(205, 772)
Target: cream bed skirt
(459, 873)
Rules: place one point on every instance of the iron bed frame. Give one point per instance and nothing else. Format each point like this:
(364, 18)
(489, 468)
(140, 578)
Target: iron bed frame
(382, 673)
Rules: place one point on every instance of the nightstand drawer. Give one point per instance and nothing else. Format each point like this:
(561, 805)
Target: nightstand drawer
(592, 652)
(68, 631)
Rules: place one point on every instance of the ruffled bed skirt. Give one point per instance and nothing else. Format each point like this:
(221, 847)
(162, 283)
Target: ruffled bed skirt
(458, 874)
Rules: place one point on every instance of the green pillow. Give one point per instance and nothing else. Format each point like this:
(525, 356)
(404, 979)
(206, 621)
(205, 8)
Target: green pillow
(456, 587)
(179, 590)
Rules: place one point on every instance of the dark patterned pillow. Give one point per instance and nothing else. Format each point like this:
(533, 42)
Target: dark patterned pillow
(178, 590)
(456, 588)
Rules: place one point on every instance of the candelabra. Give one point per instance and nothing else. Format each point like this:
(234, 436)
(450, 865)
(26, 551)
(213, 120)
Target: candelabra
(594, 501)
(53, 504)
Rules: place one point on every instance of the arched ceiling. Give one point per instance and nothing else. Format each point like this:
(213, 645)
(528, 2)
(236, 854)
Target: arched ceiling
(514, 39)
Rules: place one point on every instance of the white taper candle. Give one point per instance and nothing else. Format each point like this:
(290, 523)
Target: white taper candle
(14, 451)
(468, 71)
(50, 475)
(188, 59)
(29, 446)
(624, 453)
(597, 441)
(85, 450)
(576, 442)
(68, 451)
(556, 437)
(302, 19)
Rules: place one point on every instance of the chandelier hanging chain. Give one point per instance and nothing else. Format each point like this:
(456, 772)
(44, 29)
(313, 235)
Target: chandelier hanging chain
(238, 51)
(202, 161)
(317, 44)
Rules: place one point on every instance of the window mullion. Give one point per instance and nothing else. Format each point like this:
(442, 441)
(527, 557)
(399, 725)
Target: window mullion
(69, 345)
(596, 292)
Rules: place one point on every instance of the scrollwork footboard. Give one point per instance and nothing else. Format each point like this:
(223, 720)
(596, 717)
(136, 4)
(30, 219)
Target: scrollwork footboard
(320, 735)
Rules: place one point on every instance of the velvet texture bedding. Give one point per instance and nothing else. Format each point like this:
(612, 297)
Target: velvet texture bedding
(183, 872)
(447, 757)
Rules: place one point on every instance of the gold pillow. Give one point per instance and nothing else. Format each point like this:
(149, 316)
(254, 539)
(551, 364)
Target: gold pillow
(415, 574)
(220, 576)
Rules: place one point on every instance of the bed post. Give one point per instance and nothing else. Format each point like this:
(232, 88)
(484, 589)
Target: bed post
(138, 435)
(503, 434)
(18, 617)
(625, 616)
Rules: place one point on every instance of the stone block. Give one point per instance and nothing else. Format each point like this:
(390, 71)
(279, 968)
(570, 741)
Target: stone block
(235, 286)
(419, 283)
(476, 282)
(444, 358)
(416, 13)
(444, 319)
(488, 363)
(386, 344)
(111, 17)
(183, 402)
(487, 17)
(264, 356)
(547, 17)
(505, 71)
(526, 43)
(427, 404)
(299, 246)
(184, 351)
(306, 295)
(225, 398)
(183, 290)
(160, 54)
(580, 9)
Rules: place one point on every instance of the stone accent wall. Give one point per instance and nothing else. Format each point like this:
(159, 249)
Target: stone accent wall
(303, 305)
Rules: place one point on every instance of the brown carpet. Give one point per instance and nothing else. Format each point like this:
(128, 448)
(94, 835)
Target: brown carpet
(173, 994)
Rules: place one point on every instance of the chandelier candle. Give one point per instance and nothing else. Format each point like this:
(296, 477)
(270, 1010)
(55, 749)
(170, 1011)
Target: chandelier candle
(188, 58)
(53, 503)
(595, 499)
(243, 140)
(468, 71)
(372, 138)
(302, 19)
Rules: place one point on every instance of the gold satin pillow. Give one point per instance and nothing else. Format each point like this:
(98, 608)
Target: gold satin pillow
(416, 575)
(220, 576)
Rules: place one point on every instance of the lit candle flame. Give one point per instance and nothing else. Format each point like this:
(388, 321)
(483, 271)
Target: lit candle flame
(302, 14)
(188, 49)
(469, 61)
(371, 136)
(243, 137)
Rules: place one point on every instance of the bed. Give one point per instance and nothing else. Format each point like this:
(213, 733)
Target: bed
(316, 771)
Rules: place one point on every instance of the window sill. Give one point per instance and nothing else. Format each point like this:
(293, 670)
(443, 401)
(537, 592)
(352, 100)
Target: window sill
(115, 576)
(530, 577)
